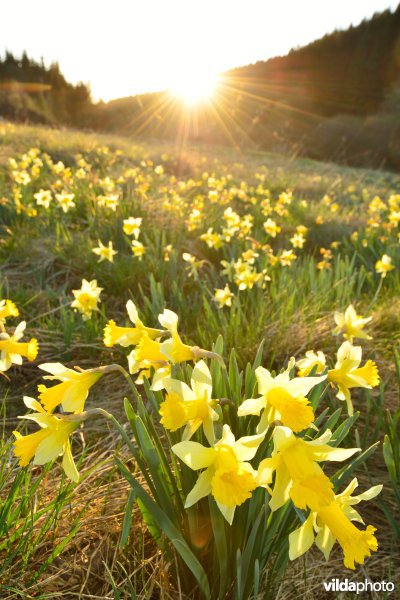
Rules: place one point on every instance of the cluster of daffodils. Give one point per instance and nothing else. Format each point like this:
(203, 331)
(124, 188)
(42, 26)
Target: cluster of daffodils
(251, 231)
(293, 470)
(12, 350)
(53, 438)
(152, 353)
(282, 456)
(384, 217)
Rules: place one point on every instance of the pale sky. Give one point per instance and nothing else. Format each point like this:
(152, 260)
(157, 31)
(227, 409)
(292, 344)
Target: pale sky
(125, 47)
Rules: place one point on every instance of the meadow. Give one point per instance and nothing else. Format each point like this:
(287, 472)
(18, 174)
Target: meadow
(255, 253)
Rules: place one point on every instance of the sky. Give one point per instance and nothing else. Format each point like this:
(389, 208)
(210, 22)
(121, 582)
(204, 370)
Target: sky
(126, 47)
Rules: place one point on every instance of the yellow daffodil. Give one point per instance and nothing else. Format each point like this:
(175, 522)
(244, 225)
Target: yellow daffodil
(43, 198)
(287, 257)
(194, 264)
(7, 309)
(298, 474)
(223, 296)
(73, 390)
(334, 523)
(147, 355)
(12, 350)
(129, 336)
(351, 324)
(66, 201)
(110, 201)
(138, 249)
(51, 441)
(298, 240)
(105, 252)
(246, 276)
(228, 475)
(167, 252)
(87, 298)
(193, 406)
(311, 360)
(283, 399)
(132, 226)
(384, 265)
(212, 239)
(174, 349)
(348, 374)
(271, 228)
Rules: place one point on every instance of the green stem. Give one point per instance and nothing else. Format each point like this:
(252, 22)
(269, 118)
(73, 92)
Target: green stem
(378, 289)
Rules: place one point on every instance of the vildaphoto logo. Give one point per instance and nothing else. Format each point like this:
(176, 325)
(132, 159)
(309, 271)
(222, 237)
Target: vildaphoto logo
(346, 585)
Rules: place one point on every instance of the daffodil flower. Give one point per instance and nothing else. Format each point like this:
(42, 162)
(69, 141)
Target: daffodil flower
(283, 399)
(298, 474)
(334, 523)
(51, 441)
(87, 298)
(348, 374)
(73, 390)
(311, 360)
(193, 406)
(223, 296)
(228, 475)
(132, 226)
(384, 265)
(351, 324)
(138, 249)
(148, 355)
(174, 349)
(105, 252)
(7, 309)
(12, 350)
(129, 336)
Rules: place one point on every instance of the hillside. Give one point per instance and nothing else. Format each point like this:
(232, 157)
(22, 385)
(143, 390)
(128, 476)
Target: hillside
(336, 99)
(254, 252)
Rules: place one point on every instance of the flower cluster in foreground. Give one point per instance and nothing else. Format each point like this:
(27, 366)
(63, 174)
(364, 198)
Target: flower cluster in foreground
(283, 455)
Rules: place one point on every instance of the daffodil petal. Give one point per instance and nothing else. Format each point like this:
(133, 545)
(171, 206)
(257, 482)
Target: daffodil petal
(300, 386)
(325, 541)
(201, 488)
(246, 447)
(53, 368)
(201, 380)
(325, 452)
(68, 463)
(228, 512)
(280, 493)
(302, 538)
(252, 406)
(194, 455)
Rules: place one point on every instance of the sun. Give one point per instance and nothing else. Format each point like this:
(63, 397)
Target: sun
(194, 88)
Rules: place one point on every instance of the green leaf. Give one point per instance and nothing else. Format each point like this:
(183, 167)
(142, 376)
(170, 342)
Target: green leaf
(169, 529)
(219, 531)
(127, 522)
(341, 476)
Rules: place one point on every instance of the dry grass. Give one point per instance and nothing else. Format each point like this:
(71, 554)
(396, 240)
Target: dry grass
(92, 564)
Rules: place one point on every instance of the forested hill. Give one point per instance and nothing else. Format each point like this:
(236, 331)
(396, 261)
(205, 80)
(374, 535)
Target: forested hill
(343, 72)
(30, 91)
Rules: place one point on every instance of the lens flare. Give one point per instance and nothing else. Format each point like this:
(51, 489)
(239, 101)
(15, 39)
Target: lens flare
(194, 88)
